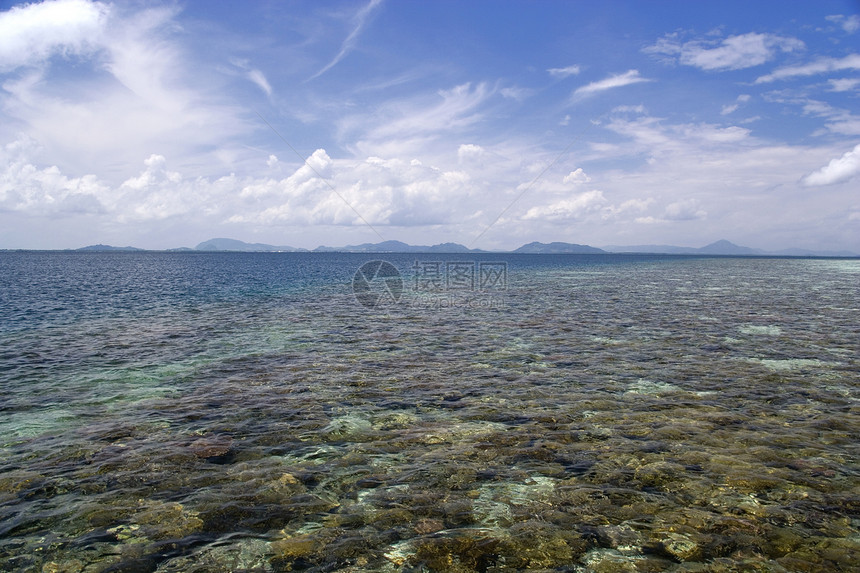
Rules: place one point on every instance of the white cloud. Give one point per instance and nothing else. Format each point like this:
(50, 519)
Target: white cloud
(712, 133)
(640, 109)
(408, 126)
(577, 177)
(377, 191)
(728, 109)
(132, 92)
(636, 204)
(563, 72)
(32, 33)
(821, 66)
(254, 75)
(619, 80)
(470, 152)
(685, 210)
(732, 53)
(26, 188)
(838, 120)
(849, 24)
(576, 207)
(516, 93)
(349, 43)
(844, 85)
(838, 170)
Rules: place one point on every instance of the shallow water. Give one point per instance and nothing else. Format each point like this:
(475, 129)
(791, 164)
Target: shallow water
(225, 412)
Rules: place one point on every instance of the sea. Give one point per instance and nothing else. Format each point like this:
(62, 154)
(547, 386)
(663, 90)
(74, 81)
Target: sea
(220, 412)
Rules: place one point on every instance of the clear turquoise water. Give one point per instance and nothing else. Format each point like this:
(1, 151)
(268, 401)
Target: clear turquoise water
(226, 412)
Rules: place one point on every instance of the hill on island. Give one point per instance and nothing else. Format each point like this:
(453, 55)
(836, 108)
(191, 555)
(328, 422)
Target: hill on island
(557, 248)
(721, 247)
(101, 247)
(236, 245)
(398, 247)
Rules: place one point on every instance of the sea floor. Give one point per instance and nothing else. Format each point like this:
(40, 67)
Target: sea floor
(699, 415)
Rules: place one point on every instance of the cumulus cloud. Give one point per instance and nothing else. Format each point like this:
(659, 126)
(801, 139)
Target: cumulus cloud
(470, 152)
(821, 66)
(374, 191)
(616, 81)
(838, 170)
(678, 211)
(34, 190)
(32, 33)
(732, 53)
(563, 72)
(575, 207)
(577, 177)
(685, 210)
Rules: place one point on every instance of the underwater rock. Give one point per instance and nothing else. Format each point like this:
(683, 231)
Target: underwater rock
(160, 521)
(536, 544)
(681, 546)
(459, 551)
(212, 446)
(279, 490)
(395, 420)
(428, 525)
(301, 548)
(223, 557)
(622, 538)
(603, 560)
(659, 474)
(64, 566)
(345, 427)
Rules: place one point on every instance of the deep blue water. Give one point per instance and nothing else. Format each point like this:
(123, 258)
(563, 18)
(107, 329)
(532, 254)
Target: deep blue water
(225, 411)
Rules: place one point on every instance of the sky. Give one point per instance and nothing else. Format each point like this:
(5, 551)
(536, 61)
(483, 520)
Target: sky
(486, 123)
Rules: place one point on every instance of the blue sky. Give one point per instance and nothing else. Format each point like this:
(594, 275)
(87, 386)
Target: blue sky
(491, 124)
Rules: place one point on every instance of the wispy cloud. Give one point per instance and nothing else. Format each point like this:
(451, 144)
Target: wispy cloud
(133, 92)
(394, 126)
(619, 80)
(564, 72)
(848, 23)
(254, 75)
(844, 84)
(727, 109)
(349, 43)
(824, 65)
(732, 53)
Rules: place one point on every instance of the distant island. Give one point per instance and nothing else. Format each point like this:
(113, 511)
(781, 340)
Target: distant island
(235, 245)
(557, 248)
(108, 248)
(721, 247)
(724, 247)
